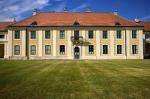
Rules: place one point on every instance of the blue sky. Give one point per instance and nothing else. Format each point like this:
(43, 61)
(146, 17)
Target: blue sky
(21, 9)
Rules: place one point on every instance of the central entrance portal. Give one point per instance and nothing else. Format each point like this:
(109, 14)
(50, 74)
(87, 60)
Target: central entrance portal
(76, 53)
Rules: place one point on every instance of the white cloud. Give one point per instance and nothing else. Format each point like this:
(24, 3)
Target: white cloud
(15, 8)
(10, 9)
(42, 1)
(145, 18)
(82, 6)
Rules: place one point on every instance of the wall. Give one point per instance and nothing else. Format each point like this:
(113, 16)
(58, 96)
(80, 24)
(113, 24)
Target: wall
(97, 41)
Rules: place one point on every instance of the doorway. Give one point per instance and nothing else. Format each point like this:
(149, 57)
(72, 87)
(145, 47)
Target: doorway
(76, 53)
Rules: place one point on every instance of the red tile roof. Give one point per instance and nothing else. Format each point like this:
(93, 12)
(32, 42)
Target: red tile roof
(3, 25)
(146, 25)
(69, 18)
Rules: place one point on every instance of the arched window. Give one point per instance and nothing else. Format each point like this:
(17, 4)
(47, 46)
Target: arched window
(76, 23)
(34, 23)
(117, 24)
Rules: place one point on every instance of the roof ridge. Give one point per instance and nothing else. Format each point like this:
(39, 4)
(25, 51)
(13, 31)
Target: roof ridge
(80, 12)
(26, 19)
(145, 21)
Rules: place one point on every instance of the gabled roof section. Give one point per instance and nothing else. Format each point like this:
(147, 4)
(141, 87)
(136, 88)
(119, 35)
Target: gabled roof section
(67, 19)
(146, 25)
(3, 26)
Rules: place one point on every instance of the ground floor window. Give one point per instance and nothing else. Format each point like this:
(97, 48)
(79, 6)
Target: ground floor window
(17, 50)
(91, 49)
(47, 49)
(62, 49)
(134, 49)
(2, 36)
(105, 49)
(33, 50)
(119, 49)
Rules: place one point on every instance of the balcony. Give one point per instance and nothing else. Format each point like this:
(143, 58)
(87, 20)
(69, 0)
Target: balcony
(77, 40)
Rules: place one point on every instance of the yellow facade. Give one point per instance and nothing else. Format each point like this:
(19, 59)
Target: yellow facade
(112, 36)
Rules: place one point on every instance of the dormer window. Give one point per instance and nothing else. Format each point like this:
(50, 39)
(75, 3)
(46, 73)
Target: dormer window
(34, 23)
(76, 23)
(117, 24)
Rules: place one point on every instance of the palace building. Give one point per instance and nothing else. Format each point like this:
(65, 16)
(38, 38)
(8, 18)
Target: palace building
(74, 35)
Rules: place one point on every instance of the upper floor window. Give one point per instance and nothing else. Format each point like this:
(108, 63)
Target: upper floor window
(134, 34)
(47, 49)
(134, 49)
(90, 34)
(33, 50)
(119, 49)
(17, 50)
(62, 49)
(76, 34)
(119, 34)
(47, 34)
(91, 49)
(62, 34)
(33, 34)
(105, 49)
(105, 35)
(2, 36)
(17, 34)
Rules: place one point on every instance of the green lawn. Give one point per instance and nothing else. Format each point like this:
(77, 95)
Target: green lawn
(67, 79)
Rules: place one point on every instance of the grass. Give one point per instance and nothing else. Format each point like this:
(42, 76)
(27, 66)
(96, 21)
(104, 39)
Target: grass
(68, 79)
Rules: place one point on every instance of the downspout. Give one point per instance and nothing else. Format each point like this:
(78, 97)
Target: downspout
(27, 43)
(125, 44)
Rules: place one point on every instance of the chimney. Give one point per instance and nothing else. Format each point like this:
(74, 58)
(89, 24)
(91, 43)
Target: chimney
(34, 12)
(65, 10)
(14, 19)
(137, 20)
(115, 12)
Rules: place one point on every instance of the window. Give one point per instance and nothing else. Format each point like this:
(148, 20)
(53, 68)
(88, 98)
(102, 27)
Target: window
(118, 34)
(134, 49)
(33, 34)
(105, 49)
(17, 50)
(76, 34)
(33, 50)
(34, 23)
(119, 49)
(105, 34)
(147, 36)
(62, 49)
(47, 34)
(17, 34)
(2, 36)
(91, 49)
(62, 34)
(90, 34)
(47, 49)
(134, 34)
(117, 24)
(76, 23)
